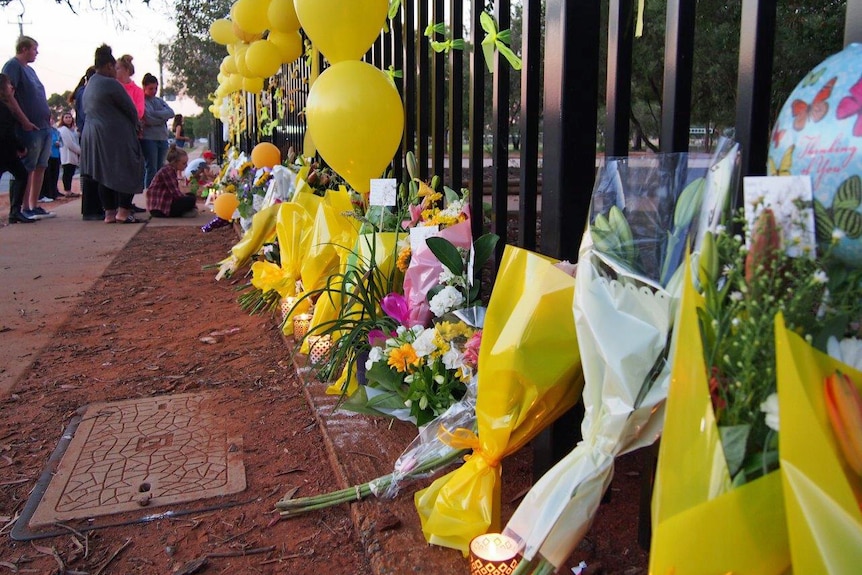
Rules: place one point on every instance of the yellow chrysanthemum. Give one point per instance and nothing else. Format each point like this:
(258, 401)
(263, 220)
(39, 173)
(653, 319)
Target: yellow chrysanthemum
(449, 330)
(403, 259)
(402, 358)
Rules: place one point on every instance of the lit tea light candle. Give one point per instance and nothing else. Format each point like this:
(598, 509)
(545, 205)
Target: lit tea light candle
(318, 348)
(493, 554)
(301, 324)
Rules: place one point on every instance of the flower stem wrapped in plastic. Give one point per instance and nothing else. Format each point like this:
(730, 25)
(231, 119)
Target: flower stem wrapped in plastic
(529, 374)
(627, 291)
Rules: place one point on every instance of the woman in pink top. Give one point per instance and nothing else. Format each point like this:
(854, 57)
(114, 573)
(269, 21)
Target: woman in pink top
(125, 71)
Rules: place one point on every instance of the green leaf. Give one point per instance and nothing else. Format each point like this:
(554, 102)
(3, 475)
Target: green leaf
(439, 46)
(734, 439)
(483, 248)
(447, 254)
(451, 195)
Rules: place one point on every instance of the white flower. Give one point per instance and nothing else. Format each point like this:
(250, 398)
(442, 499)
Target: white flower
(445, 276)
(820, 277)
(735, 296)
(424, 344)
(445, 301)
(847, 351)
(770, 408)
(453, 359)
(375, 355)
(400, 330)
(838, 234)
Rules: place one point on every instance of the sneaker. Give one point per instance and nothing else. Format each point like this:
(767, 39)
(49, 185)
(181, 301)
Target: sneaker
(46, 200)
(40, 213)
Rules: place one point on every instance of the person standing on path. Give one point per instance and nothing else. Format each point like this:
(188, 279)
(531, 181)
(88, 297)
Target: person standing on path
(110, 152)
(91, 205)
(70, 152)
(11, 148)
(35, 134)
(50, 191)
(155, 141)
(180, 138)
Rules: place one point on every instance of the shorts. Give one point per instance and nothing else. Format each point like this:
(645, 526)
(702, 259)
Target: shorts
(38, 144)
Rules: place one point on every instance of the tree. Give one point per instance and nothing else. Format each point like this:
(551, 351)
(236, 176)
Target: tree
(193, 58)
(59, 104)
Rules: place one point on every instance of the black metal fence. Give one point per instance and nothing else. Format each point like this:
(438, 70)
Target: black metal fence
(444, 101)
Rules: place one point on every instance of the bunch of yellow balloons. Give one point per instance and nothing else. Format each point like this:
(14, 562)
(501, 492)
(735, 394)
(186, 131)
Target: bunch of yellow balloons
(251, 58)
(354, 112)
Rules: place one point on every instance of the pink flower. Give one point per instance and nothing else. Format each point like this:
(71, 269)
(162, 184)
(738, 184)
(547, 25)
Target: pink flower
(415, 216)
(471, 349)
(377, 337)
(395, 306)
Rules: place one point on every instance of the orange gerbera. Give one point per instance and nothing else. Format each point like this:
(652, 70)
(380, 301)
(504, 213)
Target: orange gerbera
(402, 357)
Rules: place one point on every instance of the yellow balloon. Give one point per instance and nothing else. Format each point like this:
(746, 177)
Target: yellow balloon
(289, 44)
(221, 31)
(263, 58)
(228, 65)
(239, 59)
(234, 83)
(342, 30)
(232, 47)
(254, 85)
(225, 205)
(245, 37)
(251, 15)
(282, 16)
(265, 155)
(356, 120)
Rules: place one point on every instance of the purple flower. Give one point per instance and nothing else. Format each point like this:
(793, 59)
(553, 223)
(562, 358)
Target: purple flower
(376, 337)
(395, 306)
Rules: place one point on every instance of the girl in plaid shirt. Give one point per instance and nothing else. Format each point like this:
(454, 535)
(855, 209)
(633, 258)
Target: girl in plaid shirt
(164, 197)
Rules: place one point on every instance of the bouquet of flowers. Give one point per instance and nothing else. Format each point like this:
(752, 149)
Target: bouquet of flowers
(529, 374)
(628, 286)
(417, 373)
(739, 374)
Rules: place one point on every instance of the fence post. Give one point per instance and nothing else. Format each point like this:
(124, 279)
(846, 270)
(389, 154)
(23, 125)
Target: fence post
(569, 163)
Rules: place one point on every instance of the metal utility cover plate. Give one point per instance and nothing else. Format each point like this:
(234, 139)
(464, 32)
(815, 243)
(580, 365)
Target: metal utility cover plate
(138, 453)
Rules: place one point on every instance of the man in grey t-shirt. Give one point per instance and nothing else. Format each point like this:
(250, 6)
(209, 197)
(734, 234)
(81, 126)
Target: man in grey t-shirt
(36, 135)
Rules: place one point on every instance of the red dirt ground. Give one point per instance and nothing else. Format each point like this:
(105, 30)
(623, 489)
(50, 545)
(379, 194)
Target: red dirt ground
(137, 333)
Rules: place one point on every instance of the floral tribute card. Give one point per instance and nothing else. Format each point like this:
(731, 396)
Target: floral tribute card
(383, 192)
(792, 201)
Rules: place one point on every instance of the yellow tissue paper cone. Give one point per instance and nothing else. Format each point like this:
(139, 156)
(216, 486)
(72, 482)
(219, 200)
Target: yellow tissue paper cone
(529, 374)
(699, 527)
(823, 516)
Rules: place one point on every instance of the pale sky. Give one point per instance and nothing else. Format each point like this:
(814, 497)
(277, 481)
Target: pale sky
(67, 41)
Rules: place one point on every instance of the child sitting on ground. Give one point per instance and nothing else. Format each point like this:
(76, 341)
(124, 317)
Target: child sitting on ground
(164, 197)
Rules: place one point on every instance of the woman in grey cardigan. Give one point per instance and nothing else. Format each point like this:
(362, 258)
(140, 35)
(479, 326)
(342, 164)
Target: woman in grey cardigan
(154, 142)
(110, 152)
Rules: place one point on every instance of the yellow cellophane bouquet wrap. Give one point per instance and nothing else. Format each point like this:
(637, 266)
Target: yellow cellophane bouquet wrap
(262, 230)
(700, 525)
(292, 231)
(529, 374)
(823, 517)
(373, 257)
(332, 233)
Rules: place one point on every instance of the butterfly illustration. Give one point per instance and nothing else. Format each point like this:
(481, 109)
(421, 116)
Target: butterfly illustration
(786, 164)
(816, 110)
(813, 77)
(777, 134)
(852, 106)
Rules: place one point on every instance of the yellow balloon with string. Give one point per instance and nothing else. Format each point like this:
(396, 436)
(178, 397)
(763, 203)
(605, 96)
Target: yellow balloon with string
(356, 120)
(342, 30)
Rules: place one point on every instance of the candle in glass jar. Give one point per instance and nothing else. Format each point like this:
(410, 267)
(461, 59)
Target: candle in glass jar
(493, 554)
(318, 348)
(301, 324)
(287, 305)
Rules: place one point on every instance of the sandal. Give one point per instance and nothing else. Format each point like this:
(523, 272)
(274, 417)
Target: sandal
(130, 219)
